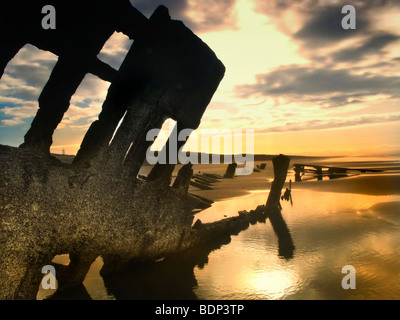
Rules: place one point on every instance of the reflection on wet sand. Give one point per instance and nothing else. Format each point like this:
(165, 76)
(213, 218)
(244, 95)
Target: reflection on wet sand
(285, 241)
(336, 230)
(330, 232)
(173, 277)
(333, 223)
(169, 279)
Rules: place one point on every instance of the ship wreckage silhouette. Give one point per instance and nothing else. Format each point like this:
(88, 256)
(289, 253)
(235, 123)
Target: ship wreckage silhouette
(97, 206)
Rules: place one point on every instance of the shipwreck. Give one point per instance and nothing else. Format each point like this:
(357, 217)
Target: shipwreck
(98, 206)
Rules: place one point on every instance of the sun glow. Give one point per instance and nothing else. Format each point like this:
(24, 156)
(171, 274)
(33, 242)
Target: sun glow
(274, 284)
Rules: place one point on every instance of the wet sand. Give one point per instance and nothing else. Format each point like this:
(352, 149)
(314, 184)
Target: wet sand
(380, 184)
(367, 183)
(353, 220)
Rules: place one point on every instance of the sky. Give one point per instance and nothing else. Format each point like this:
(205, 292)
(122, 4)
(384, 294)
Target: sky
(293, 74)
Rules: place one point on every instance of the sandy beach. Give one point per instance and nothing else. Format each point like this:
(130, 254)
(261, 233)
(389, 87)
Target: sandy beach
(385, 183)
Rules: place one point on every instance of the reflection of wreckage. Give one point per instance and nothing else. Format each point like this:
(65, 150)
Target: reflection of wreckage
(261, 166)
(97, 206)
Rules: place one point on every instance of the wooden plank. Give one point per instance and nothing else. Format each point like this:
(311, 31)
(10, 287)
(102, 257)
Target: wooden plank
(301, 167)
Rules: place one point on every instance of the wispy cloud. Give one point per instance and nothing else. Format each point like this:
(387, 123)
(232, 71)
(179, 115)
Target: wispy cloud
(200, 16)
(345, 68)
(17, 115)
(319, 86)
(331, 123)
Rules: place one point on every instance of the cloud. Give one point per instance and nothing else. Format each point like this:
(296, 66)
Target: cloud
(115, 49)
(21, 84)
(32, 65)
(211, 15)
(373, 45)
(345, 67)
(299, 83)
(91, 89)
(17, 115)
(331, 123)
(315, 24)
(200, 16)
(80, 117)
(324, 27)
(14, 90)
